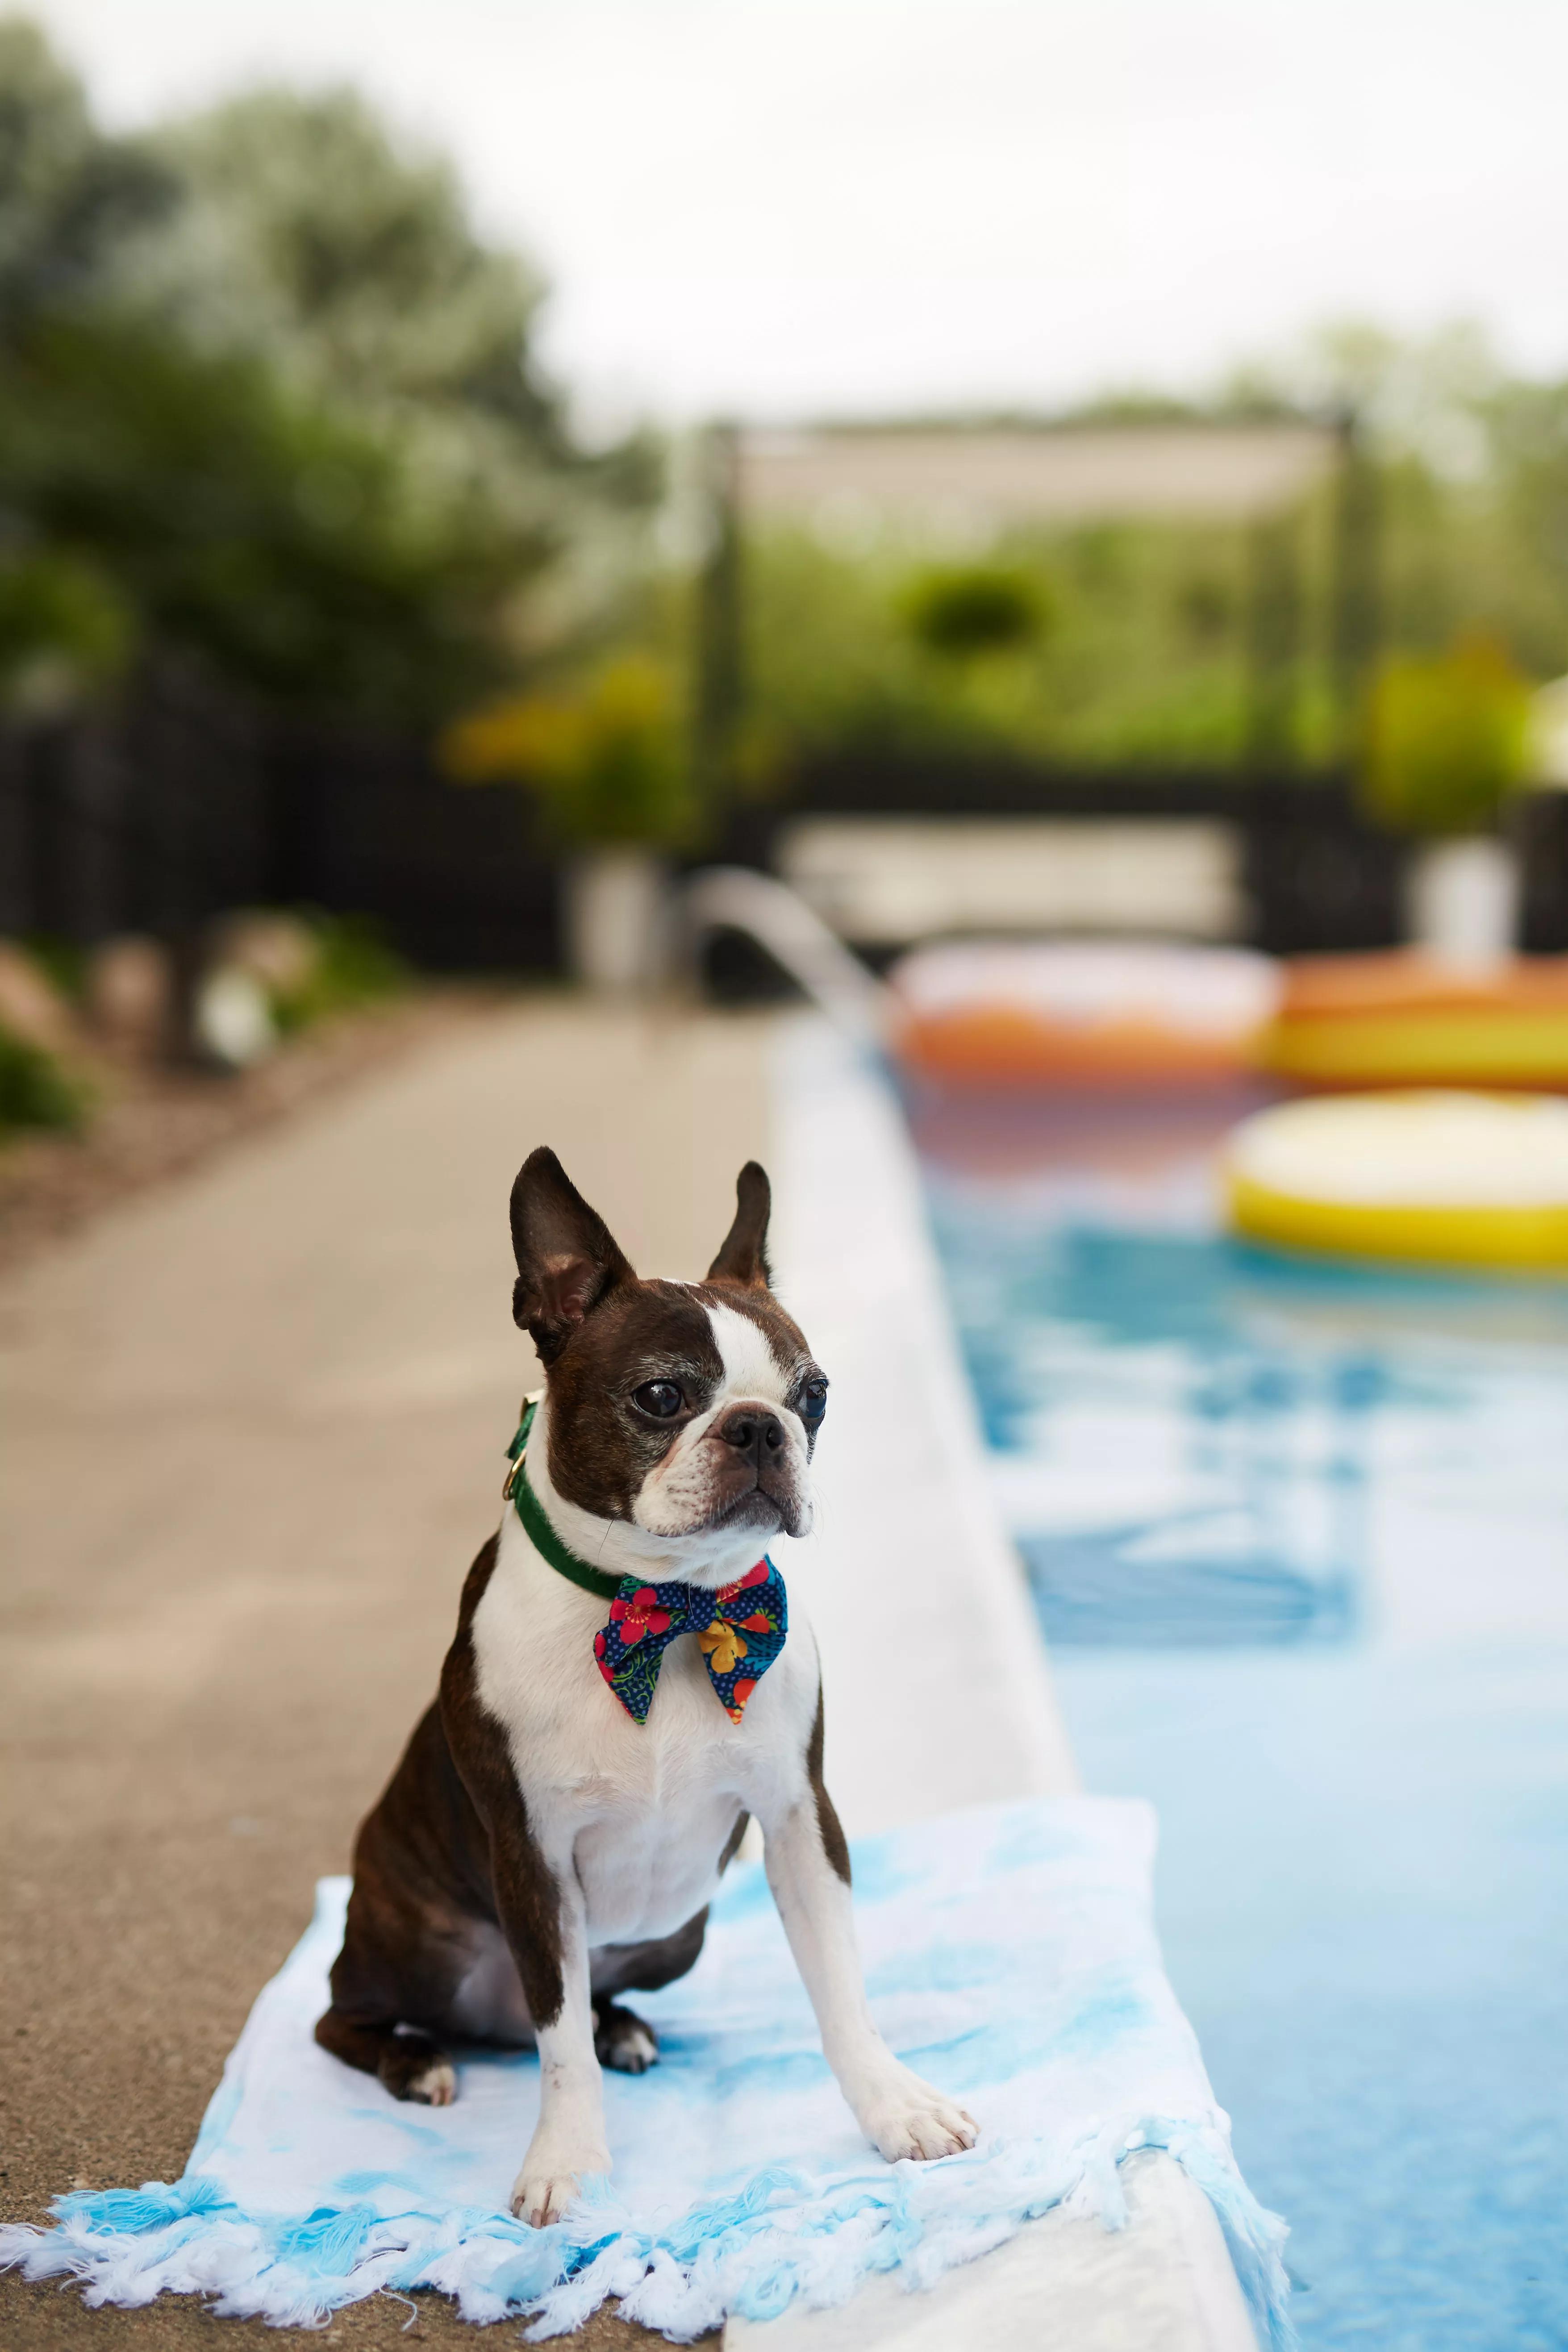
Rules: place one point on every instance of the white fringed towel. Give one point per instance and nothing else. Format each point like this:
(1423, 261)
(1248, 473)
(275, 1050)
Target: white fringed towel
(1010, 1956)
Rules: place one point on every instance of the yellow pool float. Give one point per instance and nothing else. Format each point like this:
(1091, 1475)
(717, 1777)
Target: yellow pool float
(1407, 1020)
(1439, 1178)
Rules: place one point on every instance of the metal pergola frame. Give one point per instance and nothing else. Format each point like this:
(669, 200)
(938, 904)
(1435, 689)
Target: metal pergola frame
(1254, 474)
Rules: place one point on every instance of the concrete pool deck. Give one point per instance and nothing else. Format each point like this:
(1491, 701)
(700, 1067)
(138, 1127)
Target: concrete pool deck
(964, 1711)
(253, 1424)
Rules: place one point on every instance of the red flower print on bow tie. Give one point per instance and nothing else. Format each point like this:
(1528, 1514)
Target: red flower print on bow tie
(737, 1650)
(639, 1615)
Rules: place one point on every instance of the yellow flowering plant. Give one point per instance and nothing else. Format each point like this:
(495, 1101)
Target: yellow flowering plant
(1447, 738)
(607, 760)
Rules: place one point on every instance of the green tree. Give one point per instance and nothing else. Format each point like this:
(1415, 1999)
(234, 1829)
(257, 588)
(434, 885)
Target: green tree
(70, 199)
(266, 396)
(309, 235)
(285, 545)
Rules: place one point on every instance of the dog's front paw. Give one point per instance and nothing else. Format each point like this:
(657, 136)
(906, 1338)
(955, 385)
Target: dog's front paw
(904, 2117)
(554, 2171)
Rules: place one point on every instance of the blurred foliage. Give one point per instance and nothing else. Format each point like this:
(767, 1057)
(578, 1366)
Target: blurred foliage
(266, 396)
(269, 400)
(36, 1091)
(281, 541)
(64, 627)
(310, 237)
(1445, 738)
(64, 963)
(1135, 657)
(609, 760)
(309, 234)
(69, 197)
(973, 609)
(1143, 658)
(352, 967)
(1472, 470)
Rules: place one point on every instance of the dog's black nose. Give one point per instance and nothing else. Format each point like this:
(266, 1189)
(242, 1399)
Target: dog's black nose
(752, 1431)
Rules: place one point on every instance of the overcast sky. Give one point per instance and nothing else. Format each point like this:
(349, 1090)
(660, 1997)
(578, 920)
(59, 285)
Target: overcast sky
(786, 207)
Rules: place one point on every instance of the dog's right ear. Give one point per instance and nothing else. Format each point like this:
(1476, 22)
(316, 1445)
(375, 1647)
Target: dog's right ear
(567, 1259)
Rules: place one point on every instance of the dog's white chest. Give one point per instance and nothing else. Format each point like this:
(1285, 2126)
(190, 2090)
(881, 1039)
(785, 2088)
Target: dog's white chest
(647, 1835)
(639, 1813)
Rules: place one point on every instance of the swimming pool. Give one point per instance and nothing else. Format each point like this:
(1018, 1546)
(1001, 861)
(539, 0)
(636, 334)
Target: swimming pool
(1298, 1538)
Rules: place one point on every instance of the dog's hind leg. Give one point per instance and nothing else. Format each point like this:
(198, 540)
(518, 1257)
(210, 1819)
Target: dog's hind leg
(409, 2063)
(622, 2039)
(407, 1936)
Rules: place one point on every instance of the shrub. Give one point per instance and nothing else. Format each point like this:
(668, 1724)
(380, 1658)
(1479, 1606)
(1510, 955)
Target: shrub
(974, 609)
(36, 1091)
(607, 761)
(352, 967)
(1447, 738)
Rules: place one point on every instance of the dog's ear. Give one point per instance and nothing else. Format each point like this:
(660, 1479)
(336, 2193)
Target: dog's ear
(743, 1255)
(567, 1259)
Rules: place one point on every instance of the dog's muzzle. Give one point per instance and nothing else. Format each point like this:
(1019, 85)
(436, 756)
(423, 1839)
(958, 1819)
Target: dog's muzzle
(756, 1442)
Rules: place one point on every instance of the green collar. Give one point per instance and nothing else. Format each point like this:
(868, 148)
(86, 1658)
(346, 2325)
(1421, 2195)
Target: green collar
(540, 1534)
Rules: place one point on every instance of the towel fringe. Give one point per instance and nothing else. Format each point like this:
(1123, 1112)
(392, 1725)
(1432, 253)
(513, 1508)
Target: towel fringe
(754, 2252)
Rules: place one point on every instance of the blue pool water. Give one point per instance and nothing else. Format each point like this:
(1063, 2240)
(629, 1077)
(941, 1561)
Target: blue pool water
(1299, 1537)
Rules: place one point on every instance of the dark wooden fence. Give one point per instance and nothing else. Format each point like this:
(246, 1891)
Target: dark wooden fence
(182, 803)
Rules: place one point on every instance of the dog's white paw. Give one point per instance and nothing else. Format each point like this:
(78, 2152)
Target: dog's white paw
(553, 2173)
(437, 2086)
(904, 2117)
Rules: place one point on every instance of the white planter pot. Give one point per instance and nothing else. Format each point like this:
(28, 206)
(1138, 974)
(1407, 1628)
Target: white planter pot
(1463, 900)
(618, 921)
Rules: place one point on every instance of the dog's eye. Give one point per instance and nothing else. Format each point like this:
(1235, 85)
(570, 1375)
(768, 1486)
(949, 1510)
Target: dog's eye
(661, 1397)
(814, 1400)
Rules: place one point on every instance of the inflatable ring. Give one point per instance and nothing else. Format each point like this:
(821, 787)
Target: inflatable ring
(1441, 1179)
(1407, 1020)
(1008, 1015)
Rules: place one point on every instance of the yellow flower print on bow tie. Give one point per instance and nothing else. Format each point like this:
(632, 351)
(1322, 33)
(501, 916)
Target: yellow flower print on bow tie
(723, 1645)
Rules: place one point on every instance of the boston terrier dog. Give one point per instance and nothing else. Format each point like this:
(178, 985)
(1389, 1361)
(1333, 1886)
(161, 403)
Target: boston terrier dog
(627, 1685)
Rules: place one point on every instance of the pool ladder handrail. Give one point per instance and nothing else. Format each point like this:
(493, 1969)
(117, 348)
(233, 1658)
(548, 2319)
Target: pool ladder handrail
(738, 899)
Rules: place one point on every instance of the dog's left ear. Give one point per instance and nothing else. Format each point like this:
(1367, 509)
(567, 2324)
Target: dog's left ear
(743, 1256)
(567, 1258)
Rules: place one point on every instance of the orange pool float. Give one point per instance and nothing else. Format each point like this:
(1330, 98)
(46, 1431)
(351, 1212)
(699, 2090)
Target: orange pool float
(1003, 1015)
(1404, 1019)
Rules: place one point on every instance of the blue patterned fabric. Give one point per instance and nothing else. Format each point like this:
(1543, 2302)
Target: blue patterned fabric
(1010, 1955)
(740, 1629)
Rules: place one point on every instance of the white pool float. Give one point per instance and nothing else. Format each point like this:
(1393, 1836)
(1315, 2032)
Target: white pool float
(1446, 1178)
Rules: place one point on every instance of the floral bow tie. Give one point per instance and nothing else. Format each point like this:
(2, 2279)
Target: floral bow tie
(740, 1630)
